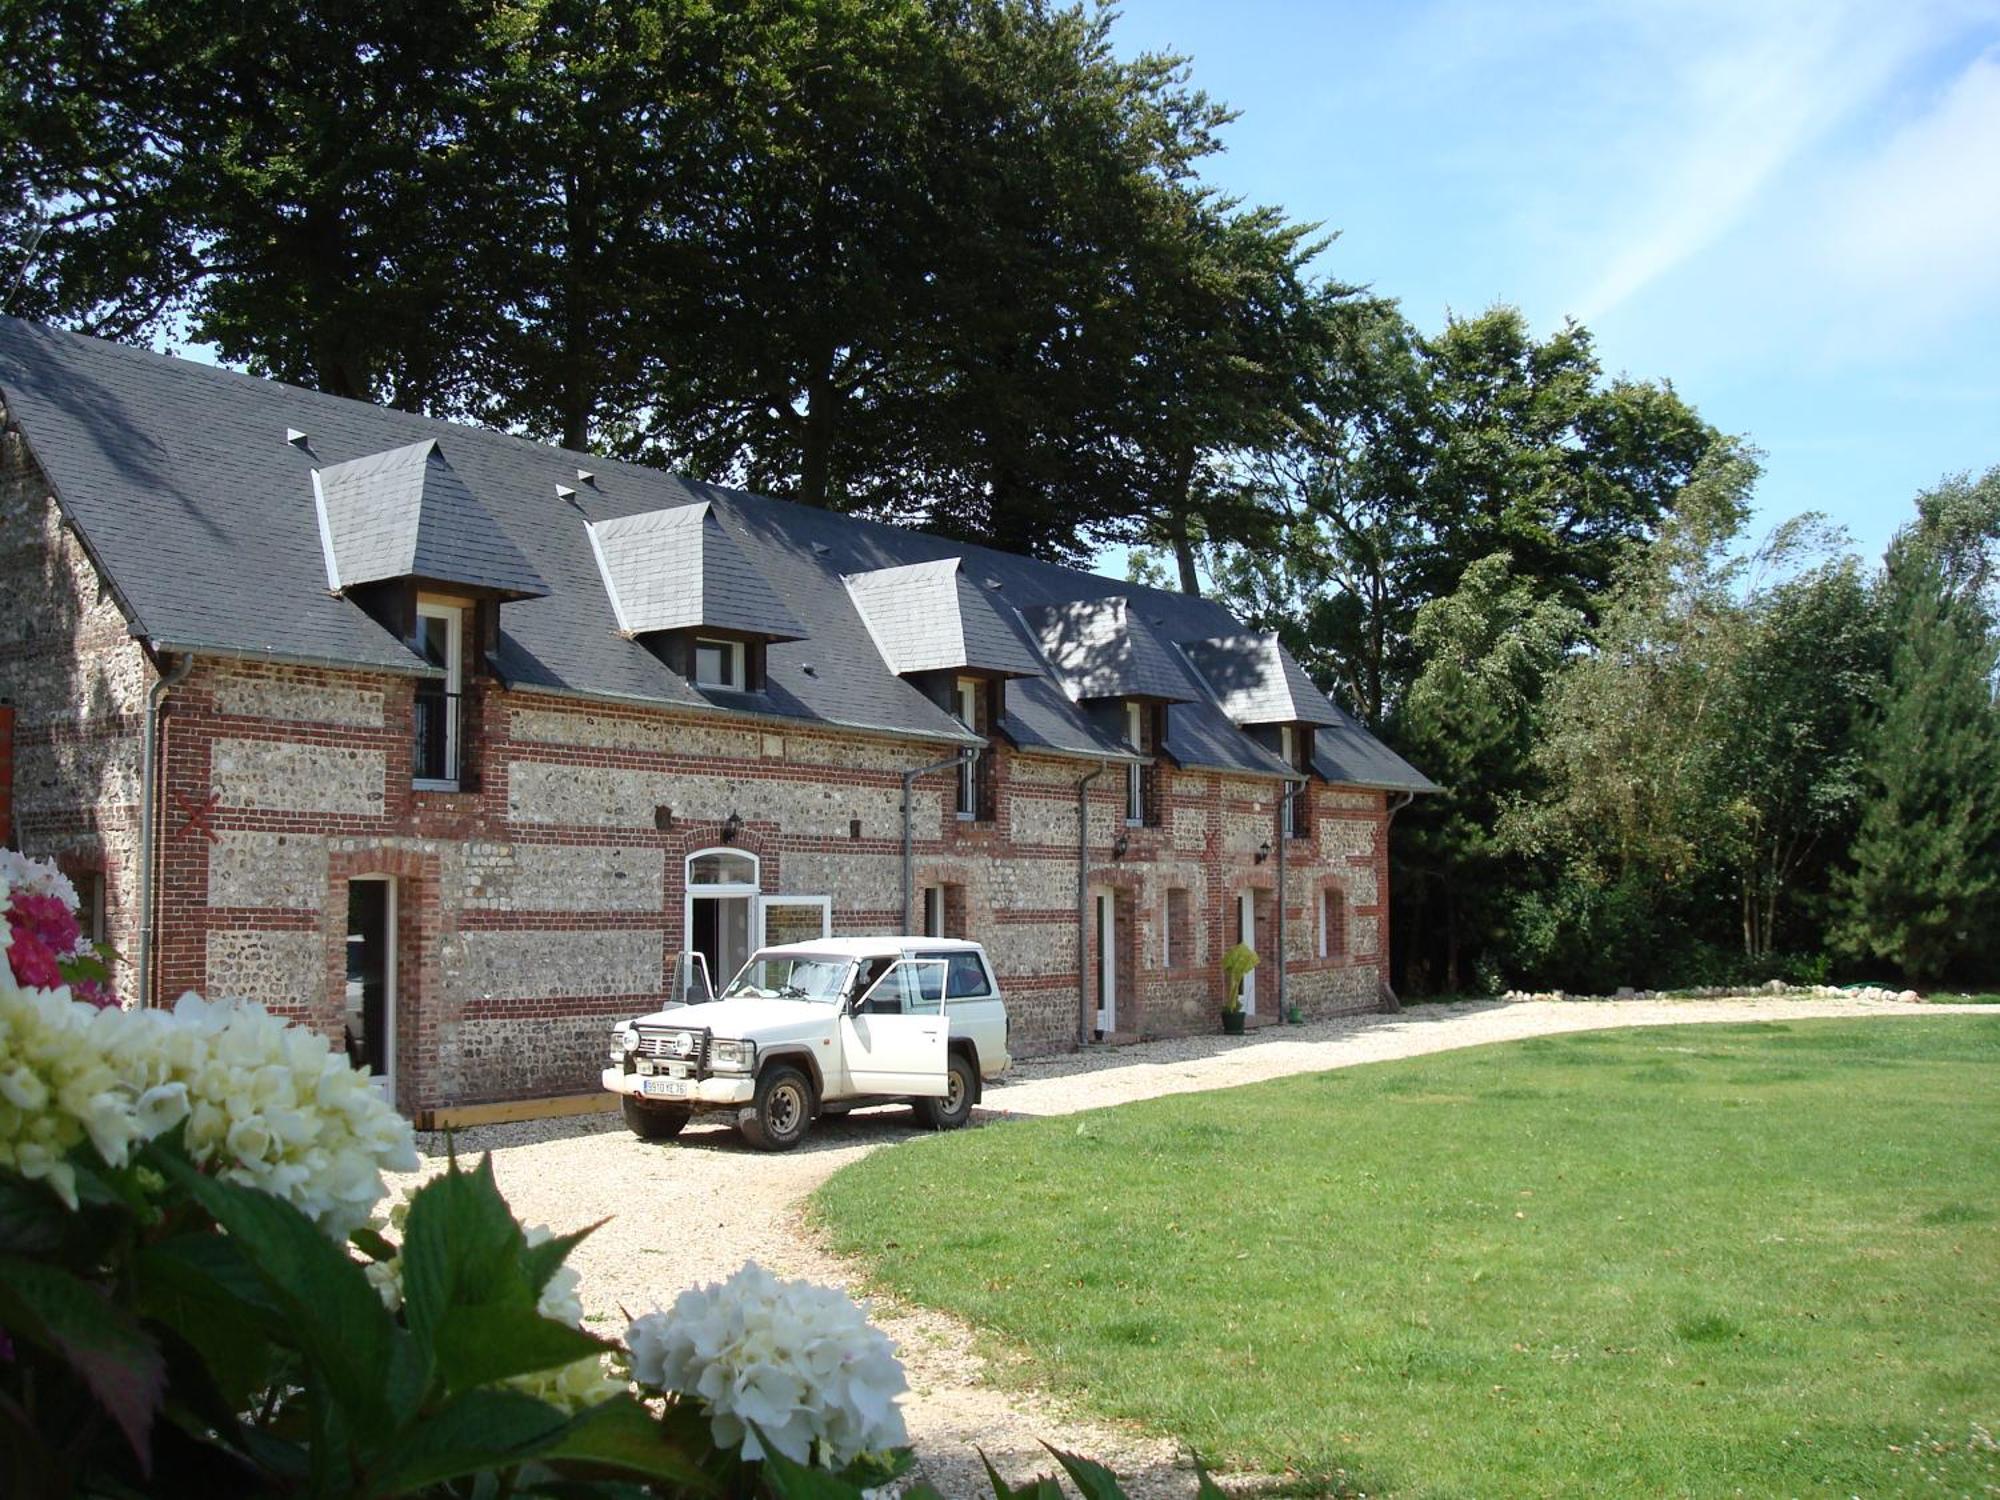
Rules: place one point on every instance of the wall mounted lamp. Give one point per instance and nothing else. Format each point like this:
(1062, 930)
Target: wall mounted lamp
(732, 826)
(1263, 851)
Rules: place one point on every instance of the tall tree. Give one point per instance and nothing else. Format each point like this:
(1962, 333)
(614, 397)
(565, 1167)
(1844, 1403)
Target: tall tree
(1924, 891)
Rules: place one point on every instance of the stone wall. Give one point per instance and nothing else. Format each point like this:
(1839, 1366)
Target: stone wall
(548, 899)
(77, 682)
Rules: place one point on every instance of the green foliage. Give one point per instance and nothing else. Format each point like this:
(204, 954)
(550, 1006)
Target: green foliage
(761, 240)
(1924, 891)
(236, 1349)
(1237, 963)
(1613, 1263)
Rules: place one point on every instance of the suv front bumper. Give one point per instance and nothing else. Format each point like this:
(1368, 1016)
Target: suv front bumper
(659, 1088)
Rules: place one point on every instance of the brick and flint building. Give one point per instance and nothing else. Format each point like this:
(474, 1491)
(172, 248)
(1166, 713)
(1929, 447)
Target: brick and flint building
(460, 746)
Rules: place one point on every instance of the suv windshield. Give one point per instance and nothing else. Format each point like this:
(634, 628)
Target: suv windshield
(820, 979)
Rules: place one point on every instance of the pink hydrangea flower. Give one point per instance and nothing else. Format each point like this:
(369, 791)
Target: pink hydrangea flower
(33, 963)
(48, 918)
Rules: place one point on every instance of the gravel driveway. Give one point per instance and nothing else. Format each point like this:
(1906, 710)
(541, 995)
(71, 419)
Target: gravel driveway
(695, 1209)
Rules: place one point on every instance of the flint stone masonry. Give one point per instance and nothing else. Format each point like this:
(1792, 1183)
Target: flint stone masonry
(286, 870)
(1346, 836)
(1190, 828)
(527, 1057)
(539, 965)
(1357, 801)
(1364, 935)
(1031, 948)
(1246, 833)
(613, 797)
(1032, 884)
(1047, 820)
(857, 882)
(1360, 886)
(276, 776)
(563, 877)
(302, 701)
(1050, 770)
(281, 970)
(645, 735)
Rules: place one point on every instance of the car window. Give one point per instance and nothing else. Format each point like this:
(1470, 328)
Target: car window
(966, 978)
(911, 987)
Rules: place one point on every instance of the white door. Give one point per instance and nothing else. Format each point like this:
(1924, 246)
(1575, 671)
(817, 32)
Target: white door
(1107, 961)
(1246, 925)
(892, 1039)
(793, 919)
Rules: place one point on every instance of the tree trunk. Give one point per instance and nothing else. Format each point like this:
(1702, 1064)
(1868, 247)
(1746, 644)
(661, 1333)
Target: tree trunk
(816, 454)
(578, 394)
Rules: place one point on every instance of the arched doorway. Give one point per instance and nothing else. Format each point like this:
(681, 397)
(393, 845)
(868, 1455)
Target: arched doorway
(717, 915)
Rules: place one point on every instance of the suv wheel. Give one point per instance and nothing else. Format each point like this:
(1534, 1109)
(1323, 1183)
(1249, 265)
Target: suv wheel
(955, 1108)
(653, 1122)
(782, 1110)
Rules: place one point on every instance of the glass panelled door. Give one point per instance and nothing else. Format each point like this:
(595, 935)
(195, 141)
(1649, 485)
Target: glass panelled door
(1246, 934)
(1104, 905)
(720, 911)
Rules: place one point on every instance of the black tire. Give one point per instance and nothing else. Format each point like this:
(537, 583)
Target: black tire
(653, 1122)
(782, 1110)
(955, 1108)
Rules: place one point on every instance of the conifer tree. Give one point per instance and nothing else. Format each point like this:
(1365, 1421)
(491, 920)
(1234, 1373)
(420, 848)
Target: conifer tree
(1924, 890)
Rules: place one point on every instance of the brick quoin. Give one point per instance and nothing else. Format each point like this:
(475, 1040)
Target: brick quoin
(544, 904)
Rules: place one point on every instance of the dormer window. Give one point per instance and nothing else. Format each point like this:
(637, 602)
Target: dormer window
(965, 700)
(437, 731)
(719, 664)
(1135, 774)
(1295, 748)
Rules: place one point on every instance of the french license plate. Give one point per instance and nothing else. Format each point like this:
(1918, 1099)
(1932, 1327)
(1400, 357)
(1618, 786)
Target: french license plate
(664, 1088)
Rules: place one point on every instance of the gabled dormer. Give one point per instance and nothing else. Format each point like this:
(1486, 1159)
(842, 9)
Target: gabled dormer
(1114, 667)
(945, 634)
(1267, 695)
(405, 539)
(681, 586)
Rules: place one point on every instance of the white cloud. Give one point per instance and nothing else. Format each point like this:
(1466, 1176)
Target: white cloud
(1912, 229)
(1737, 97)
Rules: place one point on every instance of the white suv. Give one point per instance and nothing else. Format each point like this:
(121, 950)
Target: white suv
(818, 1028)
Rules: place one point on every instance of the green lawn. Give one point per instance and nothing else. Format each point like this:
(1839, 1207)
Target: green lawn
(1695, 1260)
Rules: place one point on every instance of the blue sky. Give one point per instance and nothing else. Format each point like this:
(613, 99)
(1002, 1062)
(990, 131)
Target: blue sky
(1791, 210)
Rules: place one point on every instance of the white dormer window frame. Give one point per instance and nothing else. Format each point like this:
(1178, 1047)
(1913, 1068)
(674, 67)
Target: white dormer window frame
(719, 663)
(1288, 751)
(965, 700)
(453, 618)
(1135, 774)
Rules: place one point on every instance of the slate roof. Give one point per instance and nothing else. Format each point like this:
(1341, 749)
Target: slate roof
(930, 617)
(678, 569)
(1256, 681)
(178, 478)
(1105, 648)
(405, 513)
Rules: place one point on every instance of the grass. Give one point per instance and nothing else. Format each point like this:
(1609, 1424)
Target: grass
(1700, 1260)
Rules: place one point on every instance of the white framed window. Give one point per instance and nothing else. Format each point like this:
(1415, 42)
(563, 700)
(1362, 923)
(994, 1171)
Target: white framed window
(441, 642)
(1135, 775)
(718, 664)
(1288, 749)
(967, 701)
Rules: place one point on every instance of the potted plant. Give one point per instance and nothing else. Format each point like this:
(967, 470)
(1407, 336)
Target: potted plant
(1236, 964)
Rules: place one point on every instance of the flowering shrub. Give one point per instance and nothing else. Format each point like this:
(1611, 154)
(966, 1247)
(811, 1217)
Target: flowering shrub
(194, 1300)
(44, 946)
(787, 1364)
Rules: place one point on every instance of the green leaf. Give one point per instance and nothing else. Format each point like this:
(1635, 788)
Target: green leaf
(196, 1286)
(371, 1244)
(540, 1262)
(32, 1219)
(1041, 1487)
(1093, 1480)
(100, 1341)
(795, 1481)
(483, 1429)
(330, 1312)
(479, 1345)
(461, 1246)
(622, 1434)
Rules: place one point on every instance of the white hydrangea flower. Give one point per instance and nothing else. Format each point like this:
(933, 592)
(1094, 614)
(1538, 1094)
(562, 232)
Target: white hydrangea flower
(797, 1362)
(20, 873)
(269, 1105)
